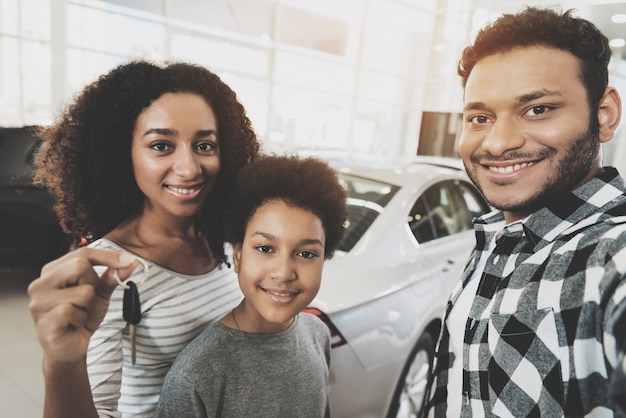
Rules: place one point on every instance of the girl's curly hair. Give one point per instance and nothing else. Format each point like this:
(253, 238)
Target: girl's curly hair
(307, 183)
(85, 160)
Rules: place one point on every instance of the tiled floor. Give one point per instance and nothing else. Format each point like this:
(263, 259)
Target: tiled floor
(21, 382)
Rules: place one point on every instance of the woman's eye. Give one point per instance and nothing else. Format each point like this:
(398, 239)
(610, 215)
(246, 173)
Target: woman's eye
(160, 146)
(206, 146)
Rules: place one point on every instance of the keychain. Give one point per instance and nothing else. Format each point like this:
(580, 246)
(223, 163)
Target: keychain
(131, 306)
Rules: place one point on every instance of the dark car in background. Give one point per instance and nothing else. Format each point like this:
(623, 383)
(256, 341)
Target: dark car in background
(30, 234)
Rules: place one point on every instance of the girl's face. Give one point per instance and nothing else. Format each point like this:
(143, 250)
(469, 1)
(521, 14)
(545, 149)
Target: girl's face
(175, 154)
(279, 265)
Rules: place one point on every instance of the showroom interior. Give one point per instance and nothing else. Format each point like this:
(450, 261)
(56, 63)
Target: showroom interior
(367, 81)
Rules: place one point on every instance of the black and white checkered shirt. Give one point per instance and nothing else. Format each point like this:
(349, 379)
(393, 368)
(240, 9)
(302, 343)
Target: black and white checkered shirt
(540, 339)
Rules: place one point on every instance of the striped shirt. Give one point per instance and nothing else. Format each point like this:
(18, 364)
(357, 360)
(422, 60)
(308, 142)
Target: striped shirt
(175, 309)
(542, 331)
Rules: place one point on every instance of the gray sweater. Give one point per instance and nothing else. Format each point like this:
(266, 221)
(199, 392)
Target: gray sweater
(229, 373)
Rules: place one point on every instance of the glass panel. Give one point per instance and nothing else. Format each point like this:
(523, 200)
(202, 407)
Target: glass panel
(36, 73)
(474, 202)
(313, 31)
(366, 200)
(9, 17)
(395, 37)
(420, 222)
(378, 86)
(254, 96)
(10, 83)
(219, 54)
(114, 33)
(84, 67)
(313, 73)
(35, 19)
(304, 119)
(446, 214)
(250, 17)
(152, 6)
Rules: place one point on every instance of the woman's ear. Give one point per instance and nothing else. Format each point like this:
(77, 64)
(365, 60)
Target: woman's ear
(609, 113)
(236, 256)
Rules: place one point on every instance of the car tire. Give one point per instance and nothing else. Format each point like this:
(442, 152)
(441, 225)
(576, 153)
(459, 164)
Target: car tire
(409, 393)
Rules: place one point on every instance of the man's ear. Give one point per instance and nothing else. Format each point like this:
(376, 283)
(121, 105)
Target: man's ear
(609, 113)
(236, 256)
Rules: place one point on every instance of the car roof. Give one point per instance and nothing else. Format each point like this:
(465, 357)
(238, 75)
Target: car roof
(404, 172)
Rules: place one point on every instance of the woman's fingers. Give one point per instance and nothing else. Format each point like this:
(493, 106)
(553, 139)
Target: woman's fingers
(70, 299)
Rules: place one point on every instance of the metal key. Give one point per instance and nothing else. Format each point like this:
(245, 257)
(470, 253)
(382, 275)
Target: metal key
(132, 313)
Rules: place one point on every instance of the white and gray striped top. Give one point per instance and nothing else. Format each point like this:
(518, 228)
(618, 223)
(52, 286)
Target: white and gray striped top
(175, 309)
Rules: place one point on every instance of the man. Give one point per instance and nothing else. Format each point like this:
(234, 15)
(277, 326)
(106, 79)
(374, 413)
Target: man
(532, 329)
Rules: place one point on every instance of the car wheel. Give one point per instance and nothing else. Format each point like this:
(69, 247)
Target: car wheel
(407, 400)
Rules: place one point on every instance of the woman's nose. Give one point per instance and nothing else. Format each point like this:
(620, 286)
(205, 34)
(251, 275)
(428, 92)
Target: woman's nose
(187, 164)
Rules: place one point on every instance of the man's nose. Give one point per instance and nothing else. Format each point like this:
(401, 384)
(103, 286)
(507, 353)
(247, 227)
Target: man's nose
(505, 135)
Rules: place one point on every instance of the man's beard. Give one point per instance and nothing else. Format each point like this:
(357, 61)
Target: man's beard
(571, 169)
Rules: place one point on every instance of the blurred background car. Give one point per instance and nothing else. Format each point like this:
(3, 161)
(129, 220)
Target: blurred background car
(30, 234)
(384, 292)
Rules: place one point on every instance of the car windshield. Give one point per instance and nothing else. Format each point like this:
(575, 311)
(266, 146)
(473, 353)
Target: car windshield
(366, 200)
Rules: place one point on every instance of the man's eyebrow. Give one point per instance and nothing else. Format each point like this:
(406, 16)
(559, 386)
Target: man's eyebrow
(524, 98)
(474, 106)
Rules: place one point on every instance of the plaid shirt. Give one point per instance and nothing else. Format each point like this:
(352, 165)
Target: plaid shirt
(541, 338)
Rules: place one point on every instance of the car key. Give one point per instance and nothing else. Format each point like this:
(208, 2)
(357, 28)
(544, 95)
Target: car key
(132, 314)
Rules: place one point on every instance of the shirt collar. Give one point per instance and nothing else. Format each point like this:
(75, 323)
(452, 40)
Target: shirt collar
(545, 225)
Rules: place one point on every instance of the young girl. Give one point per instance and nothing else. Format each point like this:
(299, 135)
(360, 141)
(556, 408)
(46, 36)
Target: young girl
(143, 162)
(265, 358)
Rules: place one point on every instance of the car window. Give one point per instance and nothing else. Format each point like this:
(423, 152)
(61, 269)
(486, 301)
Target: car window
(444, 209)
(420, 222)
(476, 204)
(366, 200)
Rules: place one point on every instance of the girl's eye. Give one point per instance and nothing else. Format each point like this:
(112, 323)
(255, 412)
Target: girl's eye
(307, 254)
(264, 248)
(160, 146)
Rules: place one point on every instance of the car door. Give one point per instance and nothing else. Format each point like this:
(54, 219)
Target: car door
(441, 222)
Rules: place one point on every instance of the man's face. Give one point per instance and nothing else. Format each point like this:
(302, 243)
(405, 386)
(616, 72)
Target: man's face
(526, 136)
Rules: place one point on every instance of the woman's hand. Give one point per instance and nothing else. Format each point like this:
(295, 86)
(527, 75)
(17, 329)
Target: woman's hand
(69, 301)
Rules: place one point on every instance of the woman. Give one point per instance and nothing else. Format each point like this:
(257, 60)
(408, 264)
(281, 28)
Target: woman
(142, 163)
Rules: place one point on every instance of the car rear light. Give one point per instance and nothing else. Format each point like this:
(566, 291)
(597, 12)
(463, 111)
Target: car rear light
(336, 339)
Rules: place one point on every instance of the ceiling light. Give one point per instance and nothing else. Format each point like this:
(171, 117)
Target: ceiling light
(619, 18)
(617, 43)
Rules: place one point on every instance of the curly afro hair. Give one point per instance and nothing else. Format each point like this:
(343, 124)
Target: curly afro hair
(85, 160)
(548, 28)
(306, 183)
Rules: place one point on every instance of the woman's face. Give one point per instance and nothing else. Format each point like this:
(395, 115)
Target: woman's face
(175, 154)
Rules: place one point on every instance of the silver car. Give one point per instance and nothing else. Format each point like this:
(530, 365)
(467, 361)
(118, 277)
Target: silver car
(384, 292)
